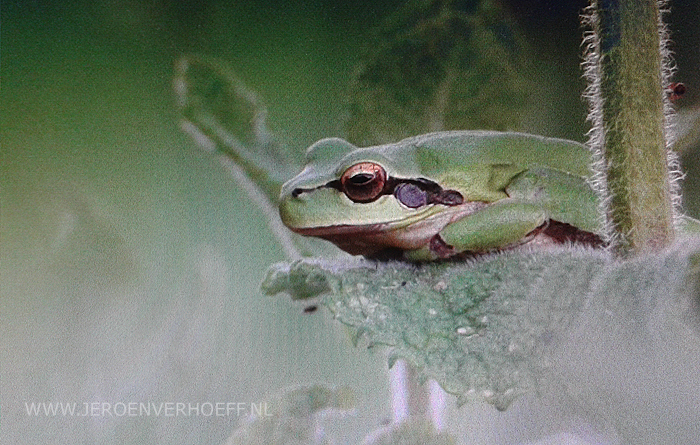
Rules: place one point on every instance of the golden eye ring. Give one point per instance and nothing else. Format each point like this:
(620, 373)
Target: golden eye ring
(363, 182)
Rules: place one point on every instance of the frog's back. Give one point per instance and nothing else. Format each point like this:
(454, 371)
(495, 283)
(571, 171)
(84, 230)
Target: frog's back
(435, 152)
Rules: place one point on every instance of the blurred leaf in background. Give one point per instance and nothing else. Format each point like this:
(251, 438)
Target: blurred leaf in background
(442, 65)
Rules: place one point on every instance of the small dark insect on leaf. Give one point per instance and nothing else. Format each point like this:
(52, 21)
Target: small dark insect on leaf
(675, 91)
(310, 309)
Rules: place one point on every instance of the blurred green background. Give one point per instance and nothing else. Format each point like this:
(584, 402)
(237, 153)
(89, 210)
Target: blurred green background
(129, 260)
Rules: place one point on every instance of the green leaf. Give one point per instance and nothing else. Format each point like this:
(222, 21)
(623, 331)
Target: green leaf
(486, 328)
(224, 115)
(442, 65)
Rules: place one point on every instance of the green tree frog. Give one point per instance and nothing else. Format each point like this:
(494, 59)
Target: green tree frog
(444, 194)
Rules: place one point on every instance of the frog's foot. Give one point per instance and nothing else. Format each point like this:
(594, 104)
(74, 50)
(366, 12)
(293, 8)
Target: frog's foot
(557, 233)
(563, 233)
(547, 234)
(442, 250)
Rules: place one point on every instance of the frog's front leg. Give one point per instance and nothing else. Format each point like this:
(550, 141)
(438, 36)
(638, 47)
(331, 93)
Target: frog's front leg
(496, 226)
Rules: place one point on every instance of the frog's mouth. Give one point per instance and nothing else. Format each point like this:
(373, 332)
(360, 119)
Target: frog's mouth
(409, 234)
(369, 239)
(340, 230)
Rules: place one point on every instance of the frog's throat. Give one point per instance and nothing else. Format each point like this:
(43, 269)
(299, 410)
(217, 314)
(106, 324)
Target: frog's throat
(408, 234)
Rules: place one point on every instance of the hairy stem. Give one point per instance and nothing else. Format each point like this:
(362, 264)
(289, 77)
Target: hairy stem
(627, 67)
(412, 399)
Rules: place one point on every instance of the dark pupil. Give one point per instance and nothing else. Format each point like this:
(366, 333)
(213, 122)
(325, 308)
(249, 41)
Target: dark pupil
(361, 178)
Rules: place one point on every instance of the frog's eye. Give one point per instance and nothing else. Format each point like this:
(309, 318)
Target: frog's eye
(363, 182)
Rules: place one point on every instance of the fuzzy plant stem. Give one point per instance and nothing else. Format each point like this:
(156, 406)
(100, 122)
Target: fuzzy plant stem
(410, 398)
(627, 67)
